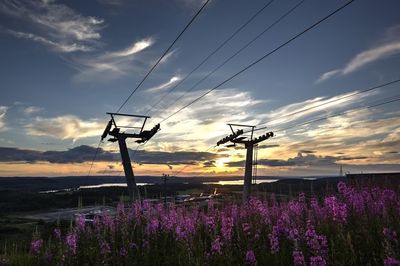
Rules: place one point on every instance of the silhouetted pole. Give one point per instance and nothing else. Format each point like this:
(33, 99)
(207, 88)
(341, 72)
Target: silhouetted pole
(249, 143)
(248, 173)
(113, 130)
(126, 162)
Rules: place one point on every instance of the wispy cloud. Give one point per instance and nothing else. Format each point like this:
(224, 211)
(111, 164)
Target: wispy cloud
(135, 48)
(364, 58)
(58, 26)
(60, 47)
(65, 127)
(165, 85)
(3, 111)
(30, 110)
(206, 120)
(311, 107)
(114, 63)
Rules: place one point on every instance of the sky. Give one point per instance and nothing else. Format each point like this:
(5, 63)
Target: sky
(64, 64)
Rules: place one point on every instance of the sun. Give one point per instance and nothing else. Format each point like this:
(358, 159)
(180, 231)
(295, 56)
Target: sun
(220, 163)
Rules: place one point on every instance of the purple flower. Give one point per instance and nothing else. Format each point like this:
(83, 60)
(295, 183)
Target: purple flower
(104, 247)
(72, 242)
(123, 252)
(274, 239)
(36, 245)
(216, 246)
(389, 261)
(317, 261)
(226, 227)
(57, 233)
(317, 243)
(337, 211)
(294, 234)
(298, 258)
(5, 262)
(390, 235)
(250, 258)
(246, 229)
(342, 187)
(80, 223)
(152, 226)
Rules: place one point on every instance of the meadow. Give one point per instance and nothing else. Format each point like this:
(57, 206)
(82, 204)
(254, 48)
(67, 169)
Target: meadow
(352, 226)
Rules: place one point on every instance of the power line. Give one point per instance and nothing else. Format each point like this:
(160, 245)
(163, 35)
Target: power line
(334, 115)
(150, 71)
(163, 55)
(240, 50)
(319, 119)
(338, 99)
(231, 57)
(258, 60)
(212, 53)
(94, 158)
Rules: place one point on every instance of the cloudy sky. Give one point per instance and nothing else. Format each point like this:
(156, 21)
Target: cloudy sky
(64, 64)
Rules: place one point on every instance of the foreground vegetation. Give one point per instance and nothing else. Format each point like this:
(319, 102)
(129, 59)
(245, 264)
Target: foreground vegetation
(351, 227)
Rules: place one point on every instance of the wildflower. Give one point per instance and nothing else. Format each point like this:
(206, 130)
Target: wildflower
(123, 252)
(5, 262)
(274, 239)
(294, 234)
(72, 240)
(342, 187)
(317, 261)
(337, 210)
(104, 247)
(210, 222)
(250, 258)
(80, 223)
(152, 226)
(317, 243)
(216, 246)
(389, 261)
(390, 235)
(57, 233)
(226, 227)
(36, 245)
(246, 229)
(298, 258)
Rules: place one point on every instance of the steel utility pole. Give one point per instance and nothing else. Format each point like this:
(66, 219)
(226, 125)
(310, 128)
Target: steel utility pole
(249, 143)
(113, 130)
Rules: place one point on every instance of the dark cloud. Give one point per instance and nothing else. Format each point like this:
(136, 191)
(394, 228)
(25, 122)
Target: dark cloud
(265, 146)
(299, 160)
(208, 164)
(352, 158)
(307, 151)
(85, 153)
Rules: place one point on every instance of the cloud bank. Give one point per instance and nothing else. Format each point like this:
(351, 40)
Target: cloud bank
(64, 127)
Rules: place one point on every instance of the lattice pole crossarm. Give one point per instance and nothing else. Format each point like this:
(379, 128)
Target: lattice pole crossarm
(114, 130)
(249, 143)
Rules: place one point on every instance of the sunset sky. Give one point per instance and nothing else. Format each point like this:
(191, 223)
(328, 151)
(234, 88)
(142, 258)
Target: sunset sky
(64, 64)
